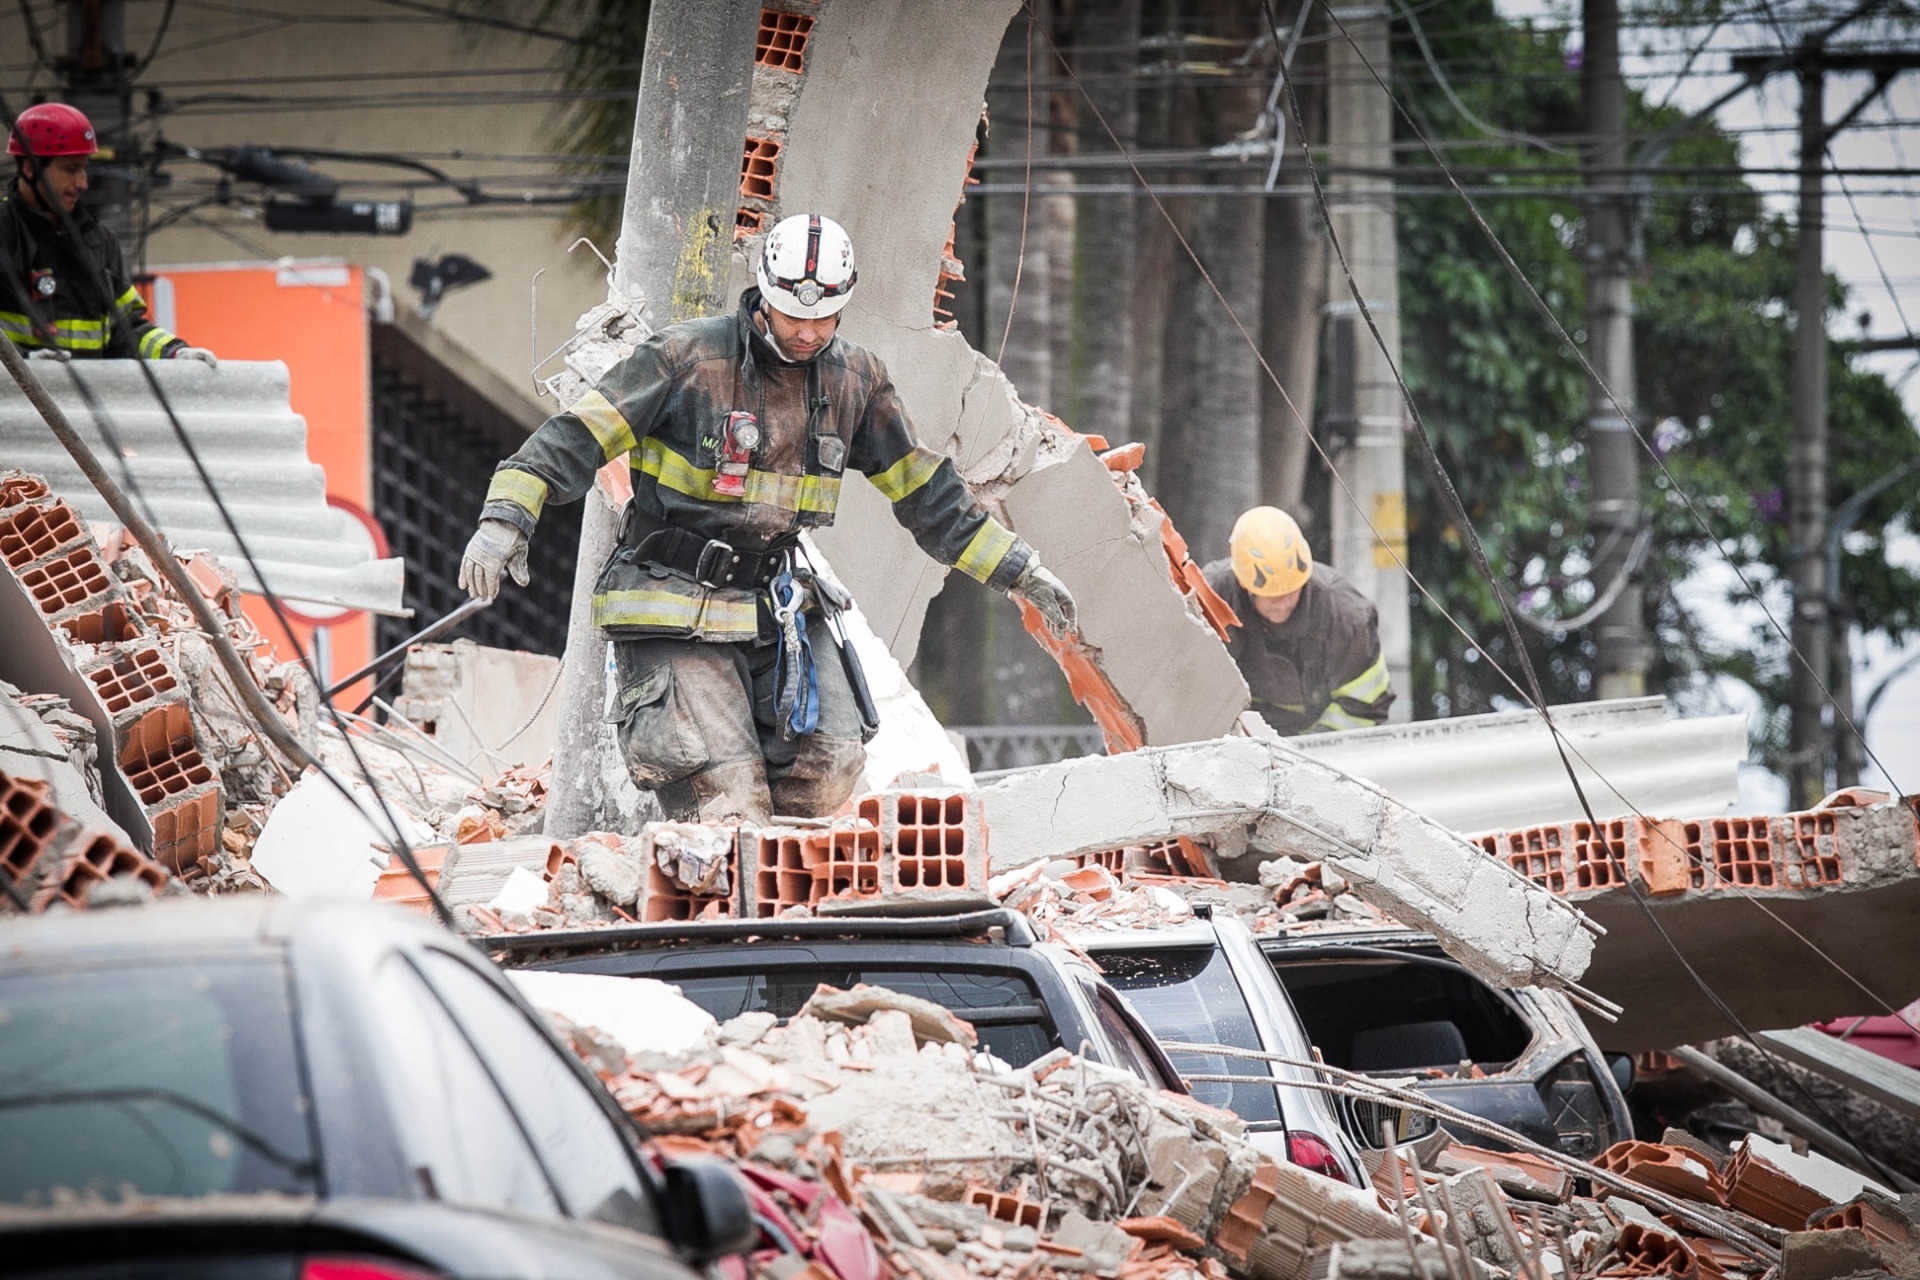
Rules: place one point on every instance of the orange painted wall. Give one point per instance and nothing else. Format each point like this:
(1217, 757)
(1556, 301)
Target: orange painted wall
(310, 314)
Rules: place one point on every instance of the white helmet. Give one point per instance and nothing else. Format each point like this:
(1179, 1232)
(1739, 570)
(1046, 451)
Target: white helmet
(806, 269)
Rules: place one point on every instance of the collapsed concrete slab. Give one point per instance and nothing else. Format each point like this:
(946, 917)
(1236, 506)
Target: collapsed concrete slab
(1789, 918)
(876, 125)
(1251, 797)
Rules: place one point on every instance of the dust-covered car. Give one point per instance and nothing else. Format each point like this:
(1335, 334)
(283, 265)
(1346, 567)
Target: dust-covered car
(1390, 1002)
(261, 1087)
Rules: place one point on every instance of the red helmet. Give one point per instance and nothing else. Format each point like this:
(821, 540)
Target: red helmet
(53, 129)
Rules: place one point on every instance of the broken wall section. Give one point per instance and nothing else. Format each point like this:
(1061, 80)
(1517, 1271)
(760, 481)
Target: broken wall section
(873, 121)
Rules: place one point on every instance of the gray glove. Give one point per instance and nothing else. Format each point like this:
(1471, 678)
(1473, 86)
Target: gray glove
(201, 354)
(495, 545)
(1049, 596)
(49, 353)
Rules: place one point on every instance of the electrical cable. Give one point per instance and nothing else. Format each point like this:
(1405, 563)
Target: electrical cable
(1473, 542)
(159, 38)
(1026, 202)
(1440, 77)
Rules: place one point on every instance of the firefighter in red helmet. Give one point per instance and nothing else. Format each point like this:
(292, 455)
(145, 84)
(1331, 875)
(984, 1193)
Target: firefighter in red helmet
(63, 298)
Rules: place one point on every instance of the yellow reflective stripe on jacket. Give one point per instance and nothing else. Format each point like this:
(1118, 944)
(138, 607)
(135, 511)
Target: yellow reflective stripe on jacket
(521, 488)
(986, 550)
(1368, 685)
(1337, 717)
(698, 614)
(74, 335)
(768, 488)
(908, 474)
(127, 299)
(154, 342)
(606, 423)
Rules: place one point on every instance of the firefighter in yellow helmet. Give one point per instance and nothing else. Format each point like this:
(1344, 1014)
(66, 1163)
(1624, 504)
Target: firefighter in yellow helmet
(1308, 643)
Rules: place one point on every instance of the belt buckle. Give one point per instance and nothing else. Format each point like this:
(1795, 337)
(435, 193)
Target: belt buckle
(712, 560)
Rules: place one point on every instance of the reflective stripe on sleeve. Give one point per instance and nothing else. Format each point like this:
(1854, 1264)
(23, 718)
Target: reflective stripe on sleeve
(1338, 717)
(691, 611)
(154, 343)
(909, 474)
(606, 423)
(127, 299)
(522, 488)
(1368, 685)
(768, 488)
(985, 552)
(70, 335)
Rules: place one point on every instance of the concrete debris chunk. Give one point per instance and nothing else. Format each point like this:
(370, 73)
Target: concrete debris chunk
(693, 855)
(1269, 800)
(931, 1023)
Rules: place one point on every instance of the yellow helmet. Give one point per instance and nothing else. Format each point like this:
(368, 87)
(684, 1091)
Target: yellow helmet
(1270, 554)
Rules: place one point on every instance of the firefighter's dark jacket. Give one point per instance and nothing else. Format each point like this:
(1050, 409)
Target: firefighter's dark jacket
(1320, 669)
(51, 270)
(663, 407)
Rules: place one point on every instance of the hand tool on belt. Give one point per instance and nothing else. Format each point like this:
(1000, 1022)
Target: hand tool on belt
(834, 601)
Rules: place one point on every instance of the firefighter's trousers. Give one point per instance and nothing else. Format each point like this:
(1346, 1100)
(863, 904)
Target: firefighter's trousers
(696, 726)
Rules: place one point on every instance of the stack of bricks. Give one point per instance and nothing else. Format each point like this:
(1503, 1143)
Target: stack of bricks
(1785, 852)
(49, 858)
(51, 553)
(899, 852)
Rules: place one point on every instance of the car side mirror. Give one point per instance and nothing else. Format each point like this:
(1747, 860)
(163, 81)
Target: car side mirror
(705, 1212)
(1621, 1065)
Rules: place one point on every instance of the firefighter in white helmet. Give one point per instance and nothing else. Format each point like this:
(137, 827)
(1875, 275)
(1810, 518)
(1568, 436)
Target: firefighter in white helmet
(738, 430)
(1308, 642)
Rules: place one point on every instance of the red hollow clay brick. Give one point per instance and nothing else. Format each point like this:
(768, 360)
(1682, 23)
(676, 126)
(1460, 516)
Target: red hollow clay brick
(129, 678)
(111, 623)
(1742, 852)
(29, 825)
(1011, 1206)
(1538, 853)
(1641, 1251)
(1755, 1187)
(1809, 849)
(18, 487)
(93, 858)
(759, 168)
(1664, 1168)
(666, 900)
(782, 41)
(68, 582)
(35, 531)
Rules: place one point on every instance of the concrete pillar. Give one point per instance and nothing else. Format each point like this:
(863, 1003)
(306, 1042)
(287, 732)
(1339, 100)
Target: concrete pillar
(1807, 463)
(1613, 451)
(675, 238)
(1373, 464)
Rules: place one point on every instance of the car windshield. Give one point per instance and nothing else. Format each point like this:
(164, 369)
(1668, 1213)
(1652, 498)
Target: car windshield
(176, 1080)
(1001, 1006)
(1189, 993)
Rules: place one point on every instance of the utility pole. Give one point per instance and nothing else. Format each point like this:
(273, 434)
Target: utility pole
(675, 237)
(94, 71)
(1372, 458)
(1613, 450)
(1807, 458)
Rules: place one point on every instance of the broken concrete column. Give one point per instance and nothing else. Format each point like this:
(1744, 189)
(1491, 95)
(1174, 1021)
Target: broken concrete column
(672, 252)
(876, 128)
(1251, 796)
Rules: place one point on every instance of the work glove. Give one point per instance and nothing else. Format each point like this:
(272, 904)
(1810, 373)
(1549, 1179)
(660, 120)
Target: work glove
(49, 353)
(495, 545)
(1049, 597)
(201, 354)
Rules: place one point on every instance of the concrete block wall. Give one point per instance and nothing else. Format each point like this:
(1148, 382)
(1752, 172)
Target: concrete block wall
(868, 111)
(52, 554)
(1788, 918)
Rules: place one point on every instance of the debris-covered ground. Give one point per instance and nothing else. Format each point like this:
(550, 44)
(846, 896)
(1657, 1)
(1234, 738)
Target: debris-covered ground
(878, 1137)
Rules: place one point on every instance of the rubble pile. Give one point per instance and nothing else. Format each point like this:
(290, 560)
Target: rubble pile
(956, 1164)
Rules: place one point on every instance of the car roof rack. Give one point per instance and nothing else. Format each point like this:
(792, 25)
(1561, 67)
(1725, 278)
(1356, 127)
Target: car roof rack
(1013, 926)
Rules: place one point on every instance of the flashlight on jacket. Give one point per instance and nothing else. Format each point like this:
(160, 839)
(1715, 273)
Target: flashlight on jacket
(739, 437)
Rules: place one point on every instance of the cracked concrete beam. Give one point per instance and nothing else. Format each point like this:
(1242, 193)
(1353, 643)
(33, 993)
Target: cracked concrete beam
(1261, 796)
(877, 130)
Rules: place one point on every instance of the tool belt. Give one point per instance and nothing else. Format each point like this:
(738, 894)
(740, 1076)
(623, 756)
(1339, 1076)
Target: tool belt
(711, 562)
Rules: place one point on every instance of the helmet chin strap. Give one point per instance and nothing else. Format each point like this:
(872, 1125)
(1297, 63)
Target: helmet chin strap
(761, 307)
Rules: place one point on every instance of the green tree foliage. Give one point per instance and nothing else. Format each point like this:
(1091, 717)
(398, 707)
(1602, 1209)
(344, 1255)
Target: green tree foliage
(1505, 400)
(599, 59)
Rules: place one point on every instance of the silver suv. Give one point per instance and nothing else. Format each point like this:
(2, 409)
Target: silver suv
(1207, 983)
